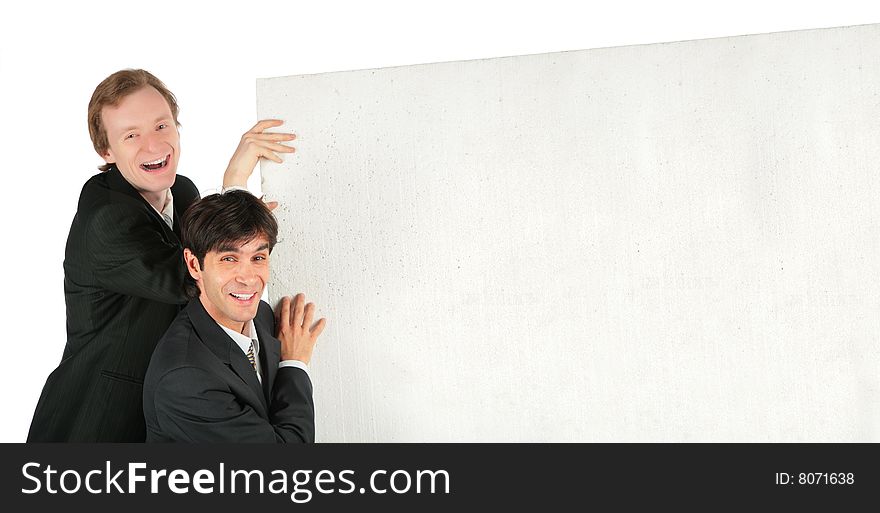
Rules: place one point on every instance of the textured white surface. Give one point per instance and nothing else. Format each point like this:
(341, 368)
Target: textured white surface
(672, 242)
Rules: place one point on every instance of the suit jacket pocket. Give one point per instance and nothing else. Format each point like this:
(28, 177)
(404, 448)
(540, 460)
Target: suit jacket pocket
(122, 377)
(121, 417)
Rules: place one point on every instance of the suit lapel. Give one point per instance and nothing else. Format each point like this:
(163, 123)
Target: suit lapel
(270, 355)
(242, 367)
(118, 183)
(179, 208)
(224, 347)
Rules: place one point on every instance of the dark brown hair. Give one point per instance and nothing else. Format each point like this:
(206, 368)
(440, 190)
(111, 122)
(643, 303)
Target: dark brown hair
(111, 91)
(232, 218)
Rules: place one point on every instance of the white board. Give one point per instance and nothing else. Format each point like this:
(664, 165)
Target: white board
(671, 242)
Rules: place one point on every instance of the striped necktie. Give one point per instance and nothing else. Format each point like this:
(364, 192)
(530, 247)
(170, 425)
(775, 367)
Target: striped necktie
(250, 355)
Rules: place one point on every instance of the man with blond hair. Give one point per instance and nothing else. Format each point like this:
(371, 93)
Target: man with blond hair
(123, 264)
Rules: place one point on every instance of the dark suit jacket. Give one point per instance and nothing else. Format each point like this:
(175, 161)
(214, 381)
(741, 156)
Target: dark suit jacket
(123, 285)
(200, 386)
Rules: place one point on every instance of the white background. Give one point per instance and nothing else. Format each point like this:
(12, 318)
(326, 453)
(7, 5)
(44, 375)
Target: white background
(53, 54)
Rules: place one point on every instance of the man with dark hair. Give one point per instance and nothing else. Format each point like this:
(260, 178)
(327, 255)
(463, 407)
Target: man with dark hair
(123, 264)
(218, 374)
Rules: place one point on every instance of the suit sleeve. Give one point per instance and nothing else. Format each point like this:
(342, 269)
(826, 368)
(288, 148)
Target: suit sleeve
(193, 405)
(130, 255)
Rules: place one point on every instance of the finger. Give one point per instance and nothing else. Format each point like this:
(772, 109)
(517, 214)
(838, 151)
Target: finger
(271, 156)
(263, 146)
(270, 136)
(283, 148)
(283, 312)
(265, 154)
(310, 314)
(318, 328)
(263, 151)
(271, 205)
(298, 307)
(266, 123)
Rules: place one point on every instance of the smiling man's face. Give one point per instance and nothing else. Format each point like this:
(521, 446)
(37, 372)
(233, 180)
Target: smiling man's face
(231, 280)
(144, 142)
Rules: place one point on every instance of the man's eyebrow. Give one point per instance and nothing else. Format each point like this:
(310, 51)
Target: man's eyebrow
(160, 118)
(226, 248)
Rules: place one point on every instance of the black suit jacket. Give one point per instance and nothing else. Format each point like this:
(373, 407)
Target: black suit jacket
(123, 285)
(200, 386)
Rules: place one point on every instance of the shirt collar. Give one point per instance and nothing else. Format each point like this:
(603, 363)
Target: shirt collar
(167, 212)
(244, 341)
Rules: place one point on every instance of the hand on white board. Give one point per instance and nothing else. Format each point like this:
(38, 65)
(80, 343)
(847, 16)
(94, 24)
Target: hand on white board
(256, 144)
(296, 331)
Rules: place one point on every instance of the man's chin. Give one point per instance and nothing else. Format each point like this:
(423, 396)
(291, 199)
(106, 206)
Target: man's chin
(161, 180)
(248, 312)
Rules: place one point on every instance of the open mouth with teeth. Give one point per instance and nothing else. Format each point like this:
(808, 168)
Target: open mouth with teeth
(157, 164)
(244, 298)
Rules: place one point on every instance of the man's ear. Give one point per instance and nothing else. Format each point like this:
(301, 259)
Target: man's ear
(108, 156)
(192, 264)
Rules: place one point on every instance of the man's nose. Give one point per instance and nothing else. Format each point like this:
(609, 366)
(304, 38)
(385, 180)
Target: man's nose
(245, 273)
(153, 142)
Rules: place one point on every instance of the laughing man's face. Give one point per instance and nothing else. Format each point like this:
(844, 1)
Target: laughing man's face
(144, 142)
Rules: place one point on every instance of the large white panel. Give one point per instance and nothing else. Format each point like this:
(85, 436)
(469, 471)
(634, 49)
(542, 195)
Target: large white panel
(673, 242)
